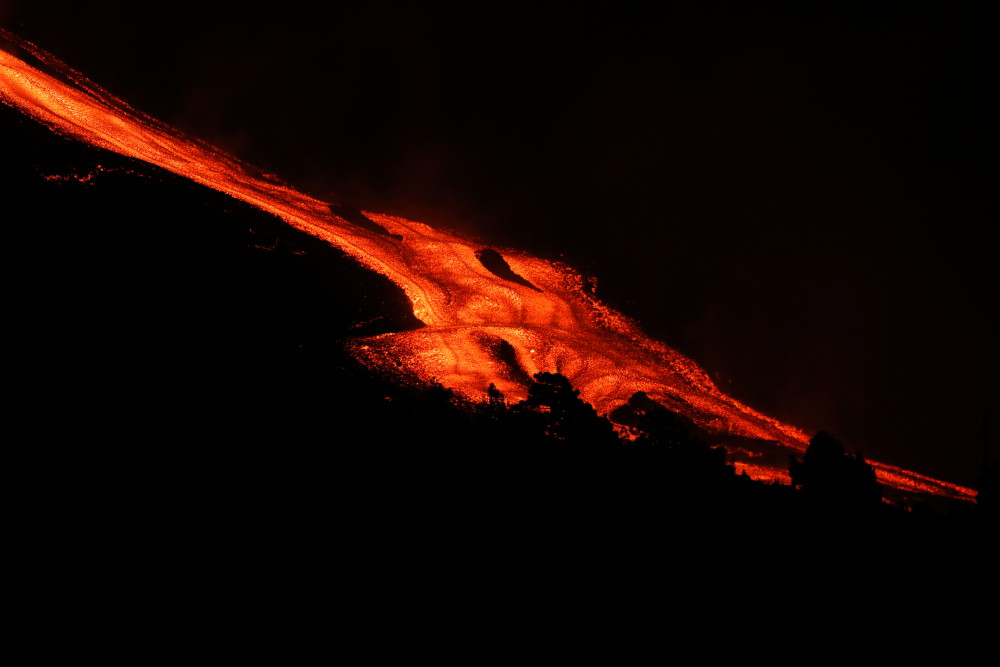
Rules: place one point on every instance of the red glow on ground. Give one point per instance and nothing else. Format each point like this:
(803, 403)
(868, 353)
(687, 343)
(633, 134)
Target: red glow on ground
(467, 310)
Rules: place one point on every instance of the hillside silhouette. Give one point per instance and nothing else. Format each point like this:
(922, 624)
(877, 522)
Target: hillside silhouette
(184, 357)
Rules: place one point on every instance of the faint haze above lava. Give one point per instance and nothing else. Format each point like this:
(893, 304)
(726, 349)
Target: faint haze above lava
(802, 201)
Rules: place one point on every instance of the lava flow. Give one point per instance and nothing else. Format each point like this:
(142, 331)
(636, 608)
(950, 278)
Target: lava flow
(471, 309)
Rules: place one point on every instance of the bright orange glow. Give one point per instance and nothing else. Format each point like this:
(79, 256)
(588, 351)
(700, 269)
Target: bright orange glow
(549, 319)
(762, 472)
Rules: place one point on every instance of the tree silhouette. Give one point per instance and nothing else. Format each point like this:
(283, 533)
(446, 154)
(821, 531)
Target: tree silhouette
(496, 399)
(670, 440)
(829, 476)
(562, 415)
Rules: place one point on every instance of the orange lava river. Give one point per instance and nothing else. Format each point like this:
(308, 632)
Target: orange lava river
(547, 316)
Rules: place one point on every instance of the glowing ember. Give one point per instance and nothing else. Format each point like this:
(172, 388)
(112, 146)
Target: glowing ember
(471, 303)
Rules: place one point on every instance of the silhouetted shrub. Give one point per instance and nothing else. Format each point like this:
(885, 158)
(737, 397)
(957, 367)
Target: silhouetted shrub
(829, 476)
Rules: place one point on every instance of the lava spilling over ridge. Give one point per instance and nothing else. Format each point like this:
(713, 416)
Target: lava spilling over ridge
(473, 301)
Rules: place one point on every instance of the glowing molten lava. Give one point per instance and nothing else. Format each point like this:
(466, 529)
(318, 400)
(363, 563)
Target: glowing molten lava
(472, 302)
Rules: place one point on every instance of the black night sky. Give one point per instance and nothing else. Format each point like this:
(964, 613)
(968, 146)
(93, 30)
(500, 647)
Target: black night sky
(802, 200)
